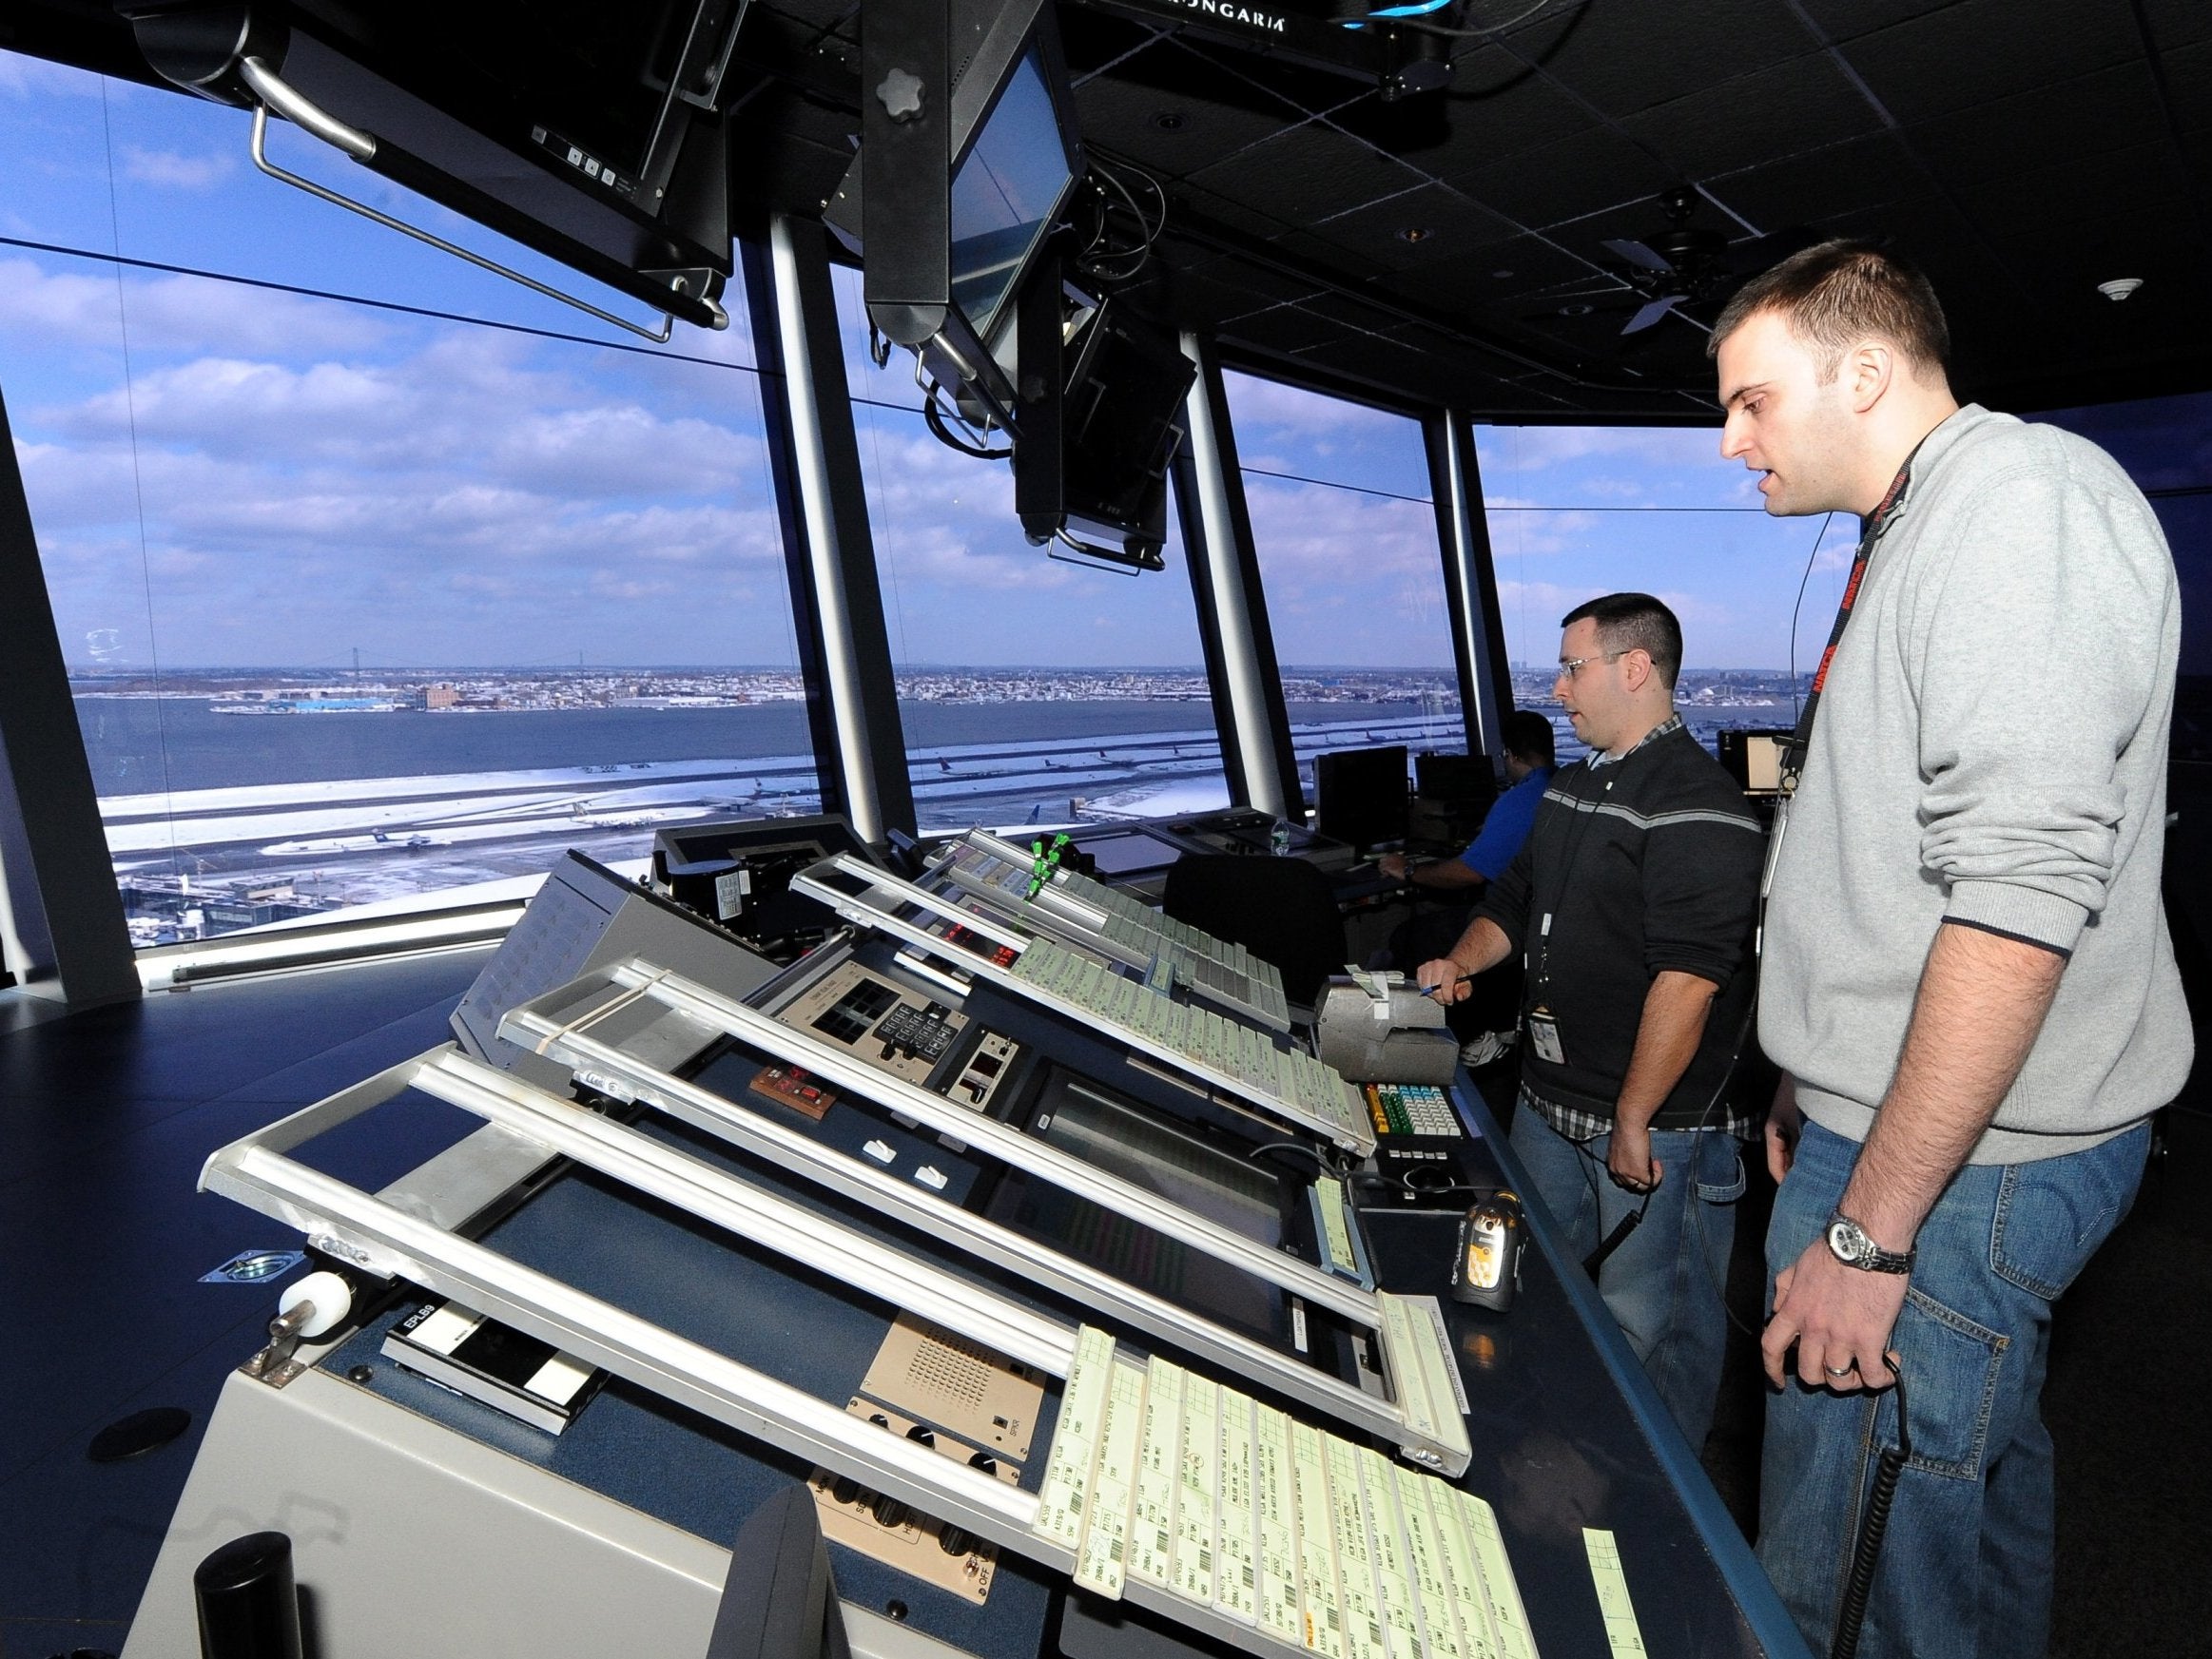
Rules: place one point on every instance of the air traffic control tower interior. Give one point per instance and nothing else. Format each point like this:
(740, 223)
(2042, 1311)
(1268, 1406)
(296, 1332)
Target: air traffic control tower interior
(707, 708)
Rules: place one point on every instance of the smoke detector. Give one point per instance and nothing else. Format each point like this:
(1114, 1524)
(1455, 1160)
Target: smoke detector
(2119, 288)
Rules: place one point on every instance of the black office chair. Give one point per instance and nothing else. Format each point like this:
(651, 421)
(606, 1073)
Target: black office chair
(1281, 910)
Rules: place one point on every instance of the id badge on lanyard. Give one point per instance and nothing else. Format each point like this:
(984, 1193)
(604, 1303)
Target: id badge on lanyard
(1544, 1036)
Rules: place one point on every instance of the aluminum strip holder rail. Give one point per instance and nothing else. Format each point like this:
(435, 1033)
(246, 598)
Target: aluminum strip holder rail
(1057, 913)
(1350, 1133)
(384, 1241)
(1420, 1417)
(529, 1026)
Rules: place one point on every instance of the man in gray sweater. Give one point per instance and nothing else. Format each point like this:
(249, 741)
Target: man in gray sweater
(1969, 984)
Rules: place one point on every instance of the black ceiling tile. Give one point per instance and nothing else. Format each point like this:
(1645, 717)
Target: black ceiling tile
(2188, 78)
(2175, 22)
(1626, 58)
(2169, 256)
(2142, 181)
(1506, 272)
(1803, 189)
(1308, 174)
(1494, 106)
(1515, 102)
(1234, 287)
(1356, 319)
(1987, 50)
(1416, 130)
(1843, 20)
(1186, 200)
(1091, 39)
(1734, 124)
(2111, 109)
(1343, 269)
(1133, 117)
(1281, 328)
(1563, 180)
(1224, 72)
(1341, 313)
(1380, 364)
(1413, 231)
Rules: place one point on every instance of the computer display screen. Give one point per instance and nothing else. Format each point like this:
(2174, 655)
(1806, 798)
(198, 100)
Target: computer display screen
(1360, 795)
(1123, 855)
(1005, 191)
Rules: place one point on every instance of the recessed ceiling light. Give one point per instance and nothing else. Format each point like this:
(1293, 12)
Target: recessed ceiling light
(1414, 233)
(1169, 120)
(2119, 287)
(1575, 309)
(1500, 276)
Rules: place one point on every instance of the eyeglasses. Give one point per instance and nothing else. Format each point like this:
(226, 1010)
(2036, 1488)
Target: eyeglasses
(1570, 666)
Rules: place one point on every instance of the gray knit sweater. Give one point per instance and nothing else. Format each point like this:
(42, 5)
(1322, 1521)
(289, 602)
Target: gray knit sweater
(1991, 750)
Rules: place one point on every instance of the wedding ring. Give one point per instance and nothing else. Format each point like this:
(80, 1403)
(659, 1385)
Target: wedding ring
(1845, 1370)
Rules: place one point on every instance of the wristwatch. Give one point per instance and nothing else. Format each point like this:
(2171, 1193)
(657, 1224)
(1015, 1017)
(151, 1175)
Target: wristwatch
(1851, 1246)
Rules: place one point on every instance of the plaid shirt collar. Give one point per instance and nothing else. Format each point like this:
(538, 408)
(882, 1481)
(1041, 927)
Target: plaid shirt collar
(1599, 758)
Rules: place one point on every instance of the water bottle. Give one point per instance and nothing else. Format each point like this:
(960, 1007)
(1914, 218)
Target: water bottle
(1279, 838)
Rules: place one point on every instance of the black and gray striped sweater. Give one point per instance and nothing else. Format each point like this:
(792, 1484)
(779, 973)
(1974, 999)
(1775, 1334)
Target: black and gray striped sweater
(1632, 867)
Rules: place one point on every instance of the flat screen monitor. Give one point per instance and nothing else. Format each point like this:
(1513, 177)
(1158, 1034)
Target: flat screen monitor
(1122, 423)
(1006, 191)
(1361, 797)
(617, 82)
(1461, 781)
(1129, 852)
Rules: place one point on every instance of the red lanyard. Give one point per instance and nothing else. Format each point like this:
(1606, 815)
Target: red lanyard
(1876, 521)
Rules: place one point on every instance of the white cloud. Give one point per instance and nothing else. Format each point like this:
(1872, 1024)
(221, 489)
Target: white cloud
(174, 313)
(1537, 448)
(27, 77)
(1254, 402)
(175, 171)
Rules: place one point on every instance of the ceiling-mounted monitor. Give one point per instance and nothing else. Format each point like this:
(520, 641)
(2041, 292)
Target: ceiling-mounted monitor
(1008, 190)
(1093, 472)
(969, 155)
(588, 132)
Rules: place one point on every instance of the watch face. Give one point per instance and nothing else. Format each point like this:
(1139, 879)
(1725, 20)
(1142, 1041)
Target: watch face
(1846, 1240)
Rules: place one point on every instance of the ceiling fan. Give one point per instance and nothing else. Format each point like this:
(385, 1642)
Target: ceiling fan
(1686, 267)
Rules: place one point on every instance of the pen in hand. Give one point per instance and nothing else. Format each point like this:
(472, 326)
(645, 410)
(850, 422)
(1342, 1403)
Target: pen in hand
(1445, 985)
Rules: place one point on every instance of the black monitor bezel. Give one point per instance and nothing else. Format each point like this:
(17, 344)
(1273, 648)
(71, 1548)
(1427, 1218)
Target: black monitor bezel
(1329, 824)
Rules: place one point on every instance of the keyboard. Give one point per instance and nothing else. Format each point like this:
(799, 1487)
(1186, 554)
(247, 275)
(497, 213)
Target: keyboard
(1223, 970)
(1413, 1109)
(1314, 1542)
(1245, 1057)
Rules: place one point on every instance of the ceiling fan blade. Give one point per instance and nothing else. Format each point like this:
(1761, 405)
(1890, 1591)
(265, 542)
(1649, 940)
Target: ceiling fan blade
(1636, 253)
(1652, 313)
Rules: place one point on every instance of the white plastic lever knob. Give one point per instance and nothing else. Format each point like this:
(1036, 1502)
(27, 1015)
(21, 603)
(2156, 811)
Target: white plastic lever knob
(333, 1299)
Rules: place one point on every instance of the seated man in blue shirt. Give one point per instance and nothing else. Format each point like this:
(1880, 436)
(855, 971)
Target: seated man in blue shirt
(1529, 770)
(1487, 1020)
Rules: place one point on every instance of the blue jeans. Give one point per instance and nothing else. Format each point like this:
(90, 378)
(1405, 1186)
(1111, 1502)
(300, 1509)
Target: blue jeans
(1966, 1563)
(1663, 1283)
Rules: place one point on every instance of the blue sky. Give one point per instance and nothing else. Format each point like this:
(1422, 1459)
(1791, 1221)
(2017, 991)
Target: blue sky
(226, 475)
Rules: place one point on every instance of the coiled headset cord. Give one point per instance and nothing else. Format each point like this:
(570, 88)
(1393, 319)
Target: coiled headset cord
(1888, 1470)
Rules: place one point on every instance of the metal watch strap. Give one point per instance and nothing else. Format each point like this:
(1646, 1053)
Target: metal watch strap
(1871, 1258)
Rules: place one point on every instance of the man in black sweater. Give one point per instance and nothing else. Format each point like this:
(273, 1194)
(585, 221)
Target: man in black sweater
(1631, 907)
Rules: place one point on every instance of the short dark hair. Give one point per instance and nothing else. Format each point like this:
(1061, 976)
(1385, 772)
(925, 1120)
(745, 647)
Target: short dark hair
(1529, 737)
(1636, 622)
(1840, 293)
